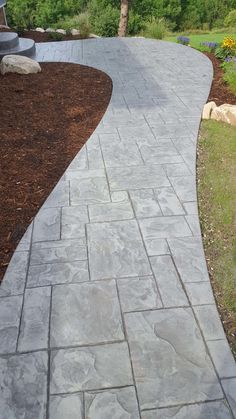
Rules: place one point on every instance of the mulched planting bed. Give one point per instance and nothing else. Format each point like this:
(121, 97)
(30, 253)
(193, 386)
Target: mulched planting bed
(220, 92)
(44, 36)
(45, 120)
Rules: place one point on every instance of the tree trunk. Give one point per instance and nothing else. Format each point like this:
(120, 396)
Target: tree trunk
(3, 20)
(124, 17)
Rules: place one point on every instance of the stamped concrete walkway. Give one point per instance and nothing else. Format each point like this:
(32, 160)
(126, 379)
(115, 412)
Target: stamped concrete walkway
(106, 310)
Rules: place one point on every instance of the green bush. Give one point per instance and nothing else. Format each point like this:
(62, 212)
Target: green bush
(55, 36)
(230, 20)
(84, 25)
(21, 14)
(31, 13)
(136, 23)
(104, 18)
(80, 22)
(155, 28)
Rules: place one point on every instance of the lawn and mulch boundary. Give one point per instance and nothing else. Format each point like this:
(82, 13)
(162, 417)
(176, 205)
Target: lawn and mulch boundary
(45, 120)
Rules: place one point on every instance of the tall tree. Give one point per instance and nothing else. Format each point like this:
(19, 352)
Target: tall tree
(124, 17)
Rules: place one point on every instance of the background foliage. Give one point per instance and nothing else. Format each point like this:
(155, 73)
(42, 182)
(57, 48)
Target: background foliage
(104, 14)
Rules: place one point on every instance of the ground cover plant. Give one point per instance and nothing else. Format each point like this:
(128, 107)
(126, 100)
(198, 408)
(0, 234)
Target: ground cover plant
(46, 121)
(217, 204)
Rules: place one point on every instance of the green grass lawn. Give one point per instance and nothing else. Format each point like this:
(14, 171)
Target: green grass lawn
(196, 40)
(217, 204)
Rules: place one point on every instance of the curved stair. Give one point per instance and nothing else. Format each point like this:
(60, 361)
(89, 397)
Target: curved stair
(10, 43)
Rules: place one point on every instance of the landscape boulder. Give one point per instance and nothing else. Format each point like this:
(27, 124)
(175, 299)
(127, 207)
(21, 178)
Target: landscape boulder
(207, 110)
(225, 113)
(74, 32)
(19, 64)
(61, 31)
(40, 30)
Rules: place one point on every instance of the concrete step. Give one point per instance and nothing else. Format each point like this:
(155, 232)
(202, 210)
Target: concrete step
(8, 40)
(25, 47)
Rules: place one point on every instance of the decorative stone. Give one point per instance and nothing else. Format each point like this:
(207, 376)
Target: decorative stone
(74, 32)
(40, 30)
(225, 113)
(19, 64)
(207, 110)
(62, 31)
(49, 30)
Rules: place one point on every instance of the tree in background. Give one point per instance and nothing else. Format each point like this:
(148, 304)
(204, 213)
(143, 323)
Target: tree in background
(124, 18)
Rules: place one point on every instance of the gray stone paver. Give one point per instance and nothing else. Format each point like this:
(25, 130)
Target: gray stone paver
(117, 245)
(116, 250)
(167, 370)
(90, 368)
(23, 383)
(69, 406)
(84, 314)
(212, 410)
(35, 319)
(121, 403)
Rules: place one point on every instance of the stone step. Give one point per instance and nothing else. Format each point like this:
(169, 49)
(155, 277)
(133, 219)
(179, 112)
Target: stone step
(25, 47)
(8, 40)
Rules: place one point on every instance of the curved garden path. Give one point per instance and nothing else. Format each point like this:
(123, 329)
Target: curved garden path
(106, 310)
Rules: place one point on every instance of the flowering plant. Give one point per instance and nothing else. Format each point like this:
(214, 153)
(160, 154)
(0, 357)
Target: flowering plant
(211, 45)
(183, 40)
(226, 49)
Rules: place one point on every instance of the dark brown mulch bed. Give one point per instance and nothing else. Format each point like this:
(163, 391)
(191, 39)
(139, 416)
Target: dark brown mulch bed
(220, 92)
(45, 120)
(48, 37)
(44, 36)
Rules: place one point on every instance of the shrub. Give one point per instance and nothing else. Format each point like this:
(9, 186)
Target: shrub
(104, 19)
(21, 15)
(230, 20)
(155, 28)
(55, 36)
(84, 25)
(80, 22)
(184, 40)
(136, 23)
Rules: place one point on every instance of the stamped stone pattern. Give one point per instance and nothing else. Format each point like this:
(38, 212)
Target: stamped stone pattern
(166, 369)
(121, 403)
(69, 406)
(216, 410)
(92, 367)
(116, 250)
(106, 308)
(10, 309)
(23, 383)
(84, 314)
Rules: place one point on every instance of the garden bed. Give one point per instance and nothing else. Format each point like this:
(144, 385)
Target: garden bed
(45, 36)
(220, 92)
(45, 120)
